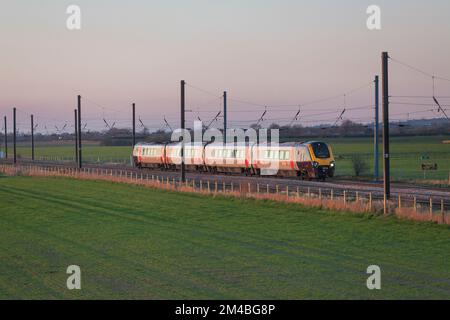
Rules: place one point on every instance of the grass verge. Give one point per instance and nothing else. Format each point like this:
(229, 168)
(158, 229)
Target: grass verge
(135, 242)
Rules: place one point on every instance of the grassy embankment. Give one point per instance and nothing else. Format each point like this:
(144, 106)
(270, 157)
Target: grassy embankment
(135, 242)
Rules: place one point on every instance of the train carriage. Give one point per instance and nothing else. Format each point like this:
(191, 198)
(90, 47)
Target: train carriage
(279, 159)
(310, 160)
(193, 156)
(147, 155)
(227, 158)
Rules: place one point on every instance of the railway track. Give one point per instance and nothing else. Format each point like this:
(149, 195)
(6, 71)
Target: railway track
(334, 187)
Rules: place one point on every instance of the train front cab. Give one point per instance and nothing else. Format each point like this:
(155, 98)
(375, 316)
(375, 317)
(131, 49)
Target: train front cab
(322, 159)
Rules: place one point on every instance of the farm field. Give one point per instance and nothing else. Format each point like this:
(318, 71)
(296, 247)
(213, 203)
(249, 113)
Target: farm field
(406, 155)
(135, 242)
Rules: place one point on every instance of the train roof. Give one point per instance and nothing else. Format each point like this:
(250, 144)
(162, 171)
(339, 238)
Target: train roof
(196, 144)
(148, 144)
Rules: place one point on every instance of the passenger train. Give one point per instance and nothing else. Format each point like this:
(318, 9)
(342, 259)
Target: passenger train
(306, 160)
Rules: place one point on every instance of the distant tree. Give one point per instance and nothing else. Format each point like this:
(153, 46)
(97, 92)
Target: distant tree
(274, 126)
(359, 164)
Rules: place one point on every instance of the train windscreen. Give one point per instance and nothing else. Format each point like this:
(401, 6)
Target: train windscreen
(320, 150)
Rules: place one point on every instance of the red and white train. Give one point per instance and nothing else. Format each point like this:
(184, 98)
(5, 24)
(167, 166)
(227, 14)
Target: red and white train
(308, 160)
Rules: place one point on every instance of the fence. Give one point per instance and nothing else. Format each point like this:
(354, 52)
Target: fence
(334, 199)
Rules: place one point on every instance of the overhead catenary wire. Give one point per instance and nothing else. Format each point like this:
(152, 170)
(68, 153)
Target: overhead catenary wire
(339, 118)
(295, 117)
(433, 84)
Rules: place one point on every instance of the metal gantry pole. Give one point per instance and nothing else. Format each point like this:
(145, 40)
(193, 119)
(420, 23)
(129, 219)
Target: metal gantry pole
(80, 159)
(76, 134)
(183, 104)
(224, 117)
(375, 131)
(134, 124)
(386, 164)
(14, 136)
(32, 138)
(6, 137)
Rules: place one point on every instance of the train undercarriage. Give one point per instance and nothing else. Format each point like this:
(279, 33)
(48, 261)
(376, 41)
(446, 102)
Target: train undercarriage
(320, 173)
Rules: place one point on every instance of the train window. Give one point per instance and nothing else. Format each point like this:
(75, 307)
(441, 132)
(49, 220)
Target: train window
(282, 155)
(320, 150)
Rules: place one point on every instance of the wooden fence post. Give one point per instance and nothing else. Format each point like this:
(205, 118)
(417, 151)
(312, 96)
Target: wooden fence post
(415, 204)
(431, 208)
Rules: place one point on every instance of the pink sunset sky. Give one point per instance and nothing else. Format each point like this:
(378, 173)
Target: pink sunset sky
(278, 53)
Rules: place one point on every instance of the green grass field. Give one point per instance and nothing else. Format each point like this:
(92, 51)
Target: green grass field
(406, 155)
(133, 242)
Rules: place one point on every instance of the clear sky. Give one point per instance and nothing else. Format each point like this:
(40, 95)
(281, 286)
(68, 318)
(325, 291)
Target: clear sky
(280, 53)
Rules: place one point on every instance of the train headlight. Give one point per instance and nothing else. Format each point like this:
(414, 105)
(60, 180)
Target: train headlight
(315, 164)
(332, 164)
